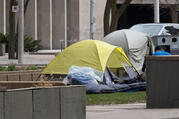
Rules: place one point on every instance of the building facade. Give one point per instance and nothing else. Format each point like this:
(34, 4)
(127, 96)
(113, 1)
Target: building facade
(57, 23)
(60, 23)
(142, 11)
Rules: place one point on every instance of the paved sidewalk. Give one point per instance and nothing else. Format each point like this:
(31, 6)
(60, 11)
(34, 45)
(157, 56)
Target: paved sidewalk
(29, 59)
(129, 111)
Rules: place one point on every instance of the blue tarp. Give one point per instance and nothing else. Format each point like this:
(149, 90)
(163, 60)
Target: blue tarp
(87, 76)
(159, 53)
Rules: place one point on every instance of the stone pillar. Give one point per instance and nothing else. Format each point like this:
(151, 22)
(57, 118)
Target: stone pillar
(35, 19)
(50, 24)
(84, 19)
(99, 7)
(58, 30)
(72, 21)
(7, 15)
(2, 16)
(30, 20)
(5, 12)
(43, 22)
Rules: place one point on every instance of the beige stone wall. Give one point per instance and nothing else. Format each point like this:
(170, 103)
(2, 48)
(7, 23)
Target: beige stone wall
(99, 6)
(78, 21)
(84, 19)
(99, 14)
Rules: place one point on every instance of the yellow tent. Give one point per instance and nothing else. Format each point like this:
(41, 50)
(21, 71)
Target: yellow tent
(90, 53)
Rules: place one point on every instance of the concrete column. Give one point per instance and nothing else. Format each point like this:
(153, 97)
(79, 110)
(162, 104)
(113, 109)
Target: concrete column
(58, 19)
(156, 11)
(73, 21)
(7, 15)
(21, 32)
(2, 16)
(99, 7)
(84, 19)
(43, 22)
(30, 20)
(35, 12)
(50, 24)
(65, 9)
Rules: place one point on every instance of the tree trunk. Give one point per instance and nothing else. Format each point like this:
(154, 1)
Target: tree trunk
(107, 17)
(117, 14)
(174, 13)
(114, 16)
(25, 6)
(12, 29)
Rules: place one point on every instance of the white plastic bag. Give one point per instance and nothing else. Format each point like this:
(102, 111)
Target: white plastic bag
(84, 74)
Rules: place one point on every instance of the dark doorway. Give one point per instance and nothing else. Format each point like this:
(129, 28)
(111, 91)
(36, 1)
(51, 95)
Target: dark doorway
(136, 14)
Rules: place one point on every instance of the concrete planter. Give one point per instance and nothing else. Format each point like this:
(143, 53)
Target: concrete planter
(162, 81)
(57, 102)
(20, 75)
(2, 49)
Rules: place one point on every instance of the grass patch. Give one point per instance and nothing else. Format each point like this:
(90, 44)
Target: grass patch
(32, 68)
(11, 67)
(1, 68)
(115, 98)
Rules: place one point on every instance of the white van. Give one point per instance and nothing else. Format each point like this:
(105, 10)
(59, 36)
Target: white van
(154, 29)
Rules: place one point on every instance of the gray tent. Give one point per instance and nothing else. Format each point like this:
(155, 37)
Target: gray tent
(135, 44)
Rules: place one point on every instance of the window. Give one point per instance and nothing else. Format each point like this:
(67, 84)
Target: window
(151, 30)
(171, 30)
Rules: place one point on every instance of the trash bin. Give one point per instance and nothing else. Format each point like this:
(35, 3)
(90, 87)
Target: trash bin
(162, 74)
(2, 49)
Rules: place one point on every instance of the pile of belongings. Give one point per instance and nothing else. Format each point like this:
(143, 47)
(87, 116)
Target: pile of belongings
(85, 62)
(107, 82)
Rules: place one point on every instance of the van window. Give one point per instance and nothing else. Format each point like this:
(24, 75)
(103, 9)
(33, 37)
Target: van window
(148, 29)
(171, 30)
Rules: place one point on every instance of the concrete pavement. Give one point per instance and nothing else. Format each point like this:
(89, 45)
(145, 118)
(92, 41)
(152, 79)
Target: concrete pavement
(35, 59)
(129, 111)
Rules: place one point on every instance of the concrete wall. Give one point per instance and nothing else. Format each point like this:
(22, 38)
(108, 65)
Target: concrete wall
(20, 75)
(43, 103)
(162, 81)
(99, 6)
